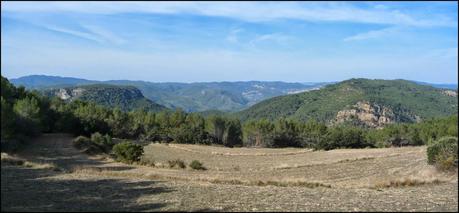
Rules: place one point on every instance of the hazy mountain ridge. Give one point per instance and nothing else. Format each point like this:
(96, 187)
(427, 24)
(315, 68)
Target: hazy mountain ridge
(201, 96)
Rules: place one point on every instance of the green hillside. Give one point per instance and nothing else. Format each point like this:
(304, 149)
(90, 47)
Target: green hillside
(125, 97)
(407, 100)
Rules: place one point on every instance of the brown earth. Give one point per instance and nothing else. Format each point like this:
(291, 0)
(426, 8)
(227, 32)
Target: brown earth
(238, 179)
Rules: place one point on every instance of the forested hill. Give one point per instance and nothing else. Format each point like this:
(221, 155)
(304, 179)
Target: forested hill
(363, 101)
(125, 97)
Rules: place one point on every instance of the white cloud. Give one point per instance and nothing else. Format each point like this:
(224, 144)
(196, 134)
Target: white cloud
(94, 33)
(233, 35)
(273, 37)
(373, 34)
(74, 33)
(105, 34)
(247, 11)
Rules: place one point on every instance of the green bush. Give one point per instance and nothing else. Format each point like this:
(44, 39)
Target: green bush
(197, 165)
(177, 163)
(128, 152)
(105, 142)
(443, 153)
(88, 146)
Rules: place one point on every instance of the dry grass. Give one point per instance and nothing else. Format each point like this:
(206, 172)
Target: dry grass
(109, 172)
(403, 182)
(356, 159)
(7, 159)
(336, 180)
(217, 150)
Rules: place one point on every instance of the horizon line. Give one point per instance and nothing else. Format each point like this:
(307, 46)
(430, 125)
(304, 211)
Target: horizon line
(197, 82)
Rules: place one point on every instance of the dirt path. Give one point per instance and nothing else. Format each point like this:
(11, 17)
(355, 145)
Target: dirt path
(33, 189)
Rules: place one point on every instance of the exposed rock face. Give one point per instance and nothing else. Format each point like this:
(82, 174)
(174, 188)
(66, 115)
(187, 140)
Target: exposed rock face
(66, 94)
(62, 94)
(450, 93)
(371, 115)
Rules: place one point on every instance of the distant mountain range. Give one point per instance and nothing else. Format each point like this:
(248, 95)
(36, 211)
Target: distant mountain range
(371, 103)
(191, 97)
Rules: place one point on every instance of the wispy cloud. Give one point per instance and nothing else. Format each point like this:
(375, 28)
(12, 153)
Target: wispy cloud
(78, 34)
(278, 38)
(290, 41)
(92, 33)
(248, 11)
(105, 34)
(233, 35)
(373, 34)
(443, 53)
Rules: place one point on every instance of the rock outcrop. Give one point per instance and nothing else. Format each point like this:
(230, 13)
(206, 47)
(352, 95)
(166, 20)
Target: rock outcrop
(450, 93)
(69, 94)
(371, 115)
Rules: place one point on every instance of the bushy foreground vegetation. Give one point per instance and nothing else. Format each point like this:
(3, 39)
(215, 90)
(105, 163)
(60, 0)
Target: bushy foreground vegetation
(128, 152)
(443, 153)
(196, 165)
(26, 114)
(95, 145)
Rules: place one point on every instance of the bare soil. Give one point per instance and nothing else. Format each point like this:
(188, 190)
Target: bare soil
(237, 179)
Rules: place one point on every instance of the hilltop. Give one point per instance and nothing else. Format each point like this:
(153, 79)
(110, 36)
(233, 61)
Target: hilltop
(363, 101)
(125, 97)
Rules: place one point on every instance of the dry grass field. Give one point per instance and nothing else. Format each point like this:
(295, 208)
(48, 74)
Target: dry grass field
(53, 176)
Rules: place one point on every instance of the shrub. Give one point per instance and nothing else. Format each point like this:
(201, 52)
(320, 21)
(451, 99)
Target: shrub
(88, 146)
(197, 165)
(81, 142)
(97, 138)
(179, 163)
(443, 153)
(105, 142)
(128, 152)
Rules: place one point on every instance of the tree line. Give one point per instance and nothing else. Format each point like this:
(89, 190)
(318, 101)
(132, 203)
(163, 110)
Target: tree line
(27, 114)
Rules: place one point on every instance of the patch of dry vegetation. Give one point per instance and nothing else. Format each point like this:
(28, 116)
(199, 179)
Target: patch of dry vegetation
(404, 182)
(7, 159)
(215, 150)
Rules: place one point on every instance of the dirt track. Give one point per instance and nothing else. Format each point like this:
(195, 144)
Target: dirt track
(133, 188)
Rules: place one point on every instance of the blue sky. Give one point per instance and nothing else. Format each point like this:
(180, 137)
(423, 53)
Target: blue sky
(231, 41)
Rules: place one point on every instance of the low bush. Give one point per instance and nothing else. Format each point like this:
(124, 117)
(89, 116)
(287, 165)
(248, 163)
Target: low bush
(176, 163)
(81, 141)
(196, 165)
(105, 142)
(443, 153)
(128, 152)
(87, 146)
